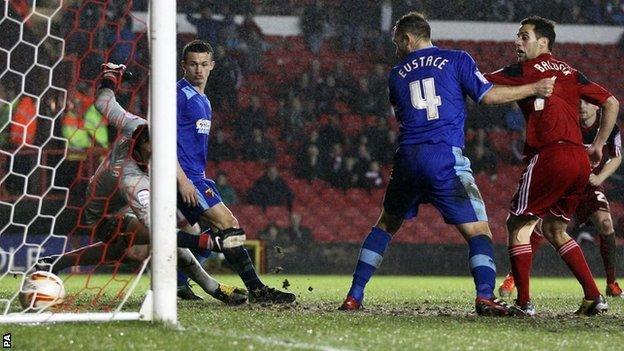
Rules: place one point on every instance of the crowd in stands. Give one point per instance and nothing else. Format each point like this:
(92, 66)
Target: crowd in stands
(563, 11)
(308, 115)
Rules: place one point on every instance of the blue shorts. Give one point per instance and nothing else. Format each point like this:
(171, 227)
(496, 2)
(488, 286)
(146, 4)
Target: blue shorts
(208, 197)
(438, 174)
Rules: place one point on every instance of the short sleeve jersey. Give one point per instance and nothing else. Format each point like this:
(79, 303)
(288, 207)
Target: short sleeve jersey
(611, 149)
(554, 119)
(194, 117)
(427, 91)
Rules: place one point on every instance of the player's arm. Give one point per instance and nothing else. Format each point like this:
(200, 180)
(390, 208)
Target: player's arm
(610, 109)
(106, 102)
(599, 96)
(607, 170)
(501, 94)
(186, 188)
(508, 85)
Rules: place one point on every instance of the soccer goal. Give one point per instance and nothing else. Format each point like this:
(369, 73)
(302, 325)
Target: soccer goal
(52, 140)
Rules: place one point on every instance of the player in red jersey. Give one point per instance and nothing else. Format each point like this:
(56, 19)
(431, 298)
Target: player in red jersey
(594, 205)
(558, 166)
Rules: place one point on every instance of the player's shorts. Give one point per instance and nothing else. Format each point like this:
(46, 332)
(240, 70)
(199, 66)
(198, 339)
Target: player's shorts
(553, 183)
(438, 174)
(208, 197)
(593, 200)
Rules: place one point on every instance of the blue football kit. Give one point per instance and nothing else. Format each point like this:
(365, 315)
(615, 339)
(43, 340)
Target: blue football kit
(194, 116)
(427, 91)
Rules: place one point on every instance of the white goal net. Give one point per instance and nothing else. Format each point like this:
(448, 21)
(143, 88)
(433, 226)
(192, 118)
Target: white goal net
(52, 140)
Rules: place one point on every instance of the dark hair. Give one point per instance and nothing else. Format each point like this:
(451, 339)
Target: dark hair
(197, 46)
(543, 28)
(414, 23)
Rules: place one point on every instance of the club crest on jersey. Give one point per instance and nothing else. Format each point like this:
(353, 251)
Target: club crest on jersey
(209, 192)
(203, 126)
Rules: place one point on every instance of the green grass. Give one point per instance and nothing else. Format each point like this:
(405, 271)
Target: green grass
(402, 313)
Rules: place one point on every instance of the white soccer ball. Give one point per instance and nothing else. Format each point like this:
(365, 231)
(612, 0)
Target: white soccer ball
(41, 290)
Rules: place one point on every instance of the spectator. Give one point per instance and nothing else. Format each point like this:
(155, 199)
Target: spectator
(332, 162)
(121, 39)
(220, 148)
(253, 44)
(300, 237)
(270, 190)
(228, 194)
(273, 236)
(594, 12)
(24, 127)
(378, 140)
(364, 102)
(346, 177)
(326, 94)
(330, 134)
(225, 79)
(344, 81)
(259, 148)
(309, 166)
(208, 28)
(294, 120)
(378, 86)
(615, 12)
(372, 177)
(252, 117)
(229, 32)
(312, 23)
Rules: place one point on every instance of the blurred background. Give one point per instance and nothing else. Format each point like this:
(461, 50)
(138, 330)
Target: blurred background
(302, 136)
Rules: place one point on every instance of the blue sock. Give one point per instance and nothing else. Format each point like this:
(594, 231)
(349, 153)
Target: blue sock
(369, 260)
(482, 265)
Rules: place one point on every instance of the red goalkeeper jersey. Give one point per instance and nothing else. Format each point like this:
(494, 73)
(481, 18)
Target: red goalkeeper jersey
(554, 119)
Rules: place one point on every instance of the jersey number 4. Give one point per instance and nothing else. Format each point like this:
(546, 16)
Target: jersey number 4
(429, 100)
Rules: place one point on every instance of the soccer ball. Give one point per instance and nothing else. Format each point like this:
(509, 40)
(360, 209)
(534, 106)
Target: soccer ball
(41, 290)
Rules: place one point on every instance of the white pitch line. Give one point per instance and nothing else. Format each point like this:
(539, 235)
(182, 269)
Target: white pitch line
(281, 342)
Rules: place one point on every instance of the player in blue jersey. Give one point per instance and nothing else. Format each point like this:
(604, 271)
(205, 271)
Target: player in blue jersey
(198, 197)
(427, 91)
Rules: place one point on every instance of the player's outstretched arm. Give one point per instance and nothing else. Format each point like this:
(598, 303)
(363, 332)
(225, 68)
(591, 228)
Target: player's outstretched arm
(106, 103)
(611, 108)
(609, 168)
(501, 94)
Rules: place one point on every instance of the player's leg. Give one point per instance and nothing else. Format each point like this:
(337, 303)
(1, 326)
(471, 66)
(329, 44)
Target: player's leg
(184, 289)
(507, 287)
(604, 225)
(370, 257)
(456, 196)
(554, 229)
(191, 267)
(117, 235)
(400, 201)
(520, 230)
(230, 239)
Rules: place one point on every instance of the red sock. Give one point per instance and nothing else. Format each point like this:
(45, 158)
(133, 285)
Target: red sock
(521, 258)
(574, 258)
(204, 241)
(607, 252)
(536, 241)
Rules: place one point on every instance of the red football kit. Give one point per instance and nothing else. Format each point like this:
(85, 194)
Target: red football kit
(558, 166)
(594, 199)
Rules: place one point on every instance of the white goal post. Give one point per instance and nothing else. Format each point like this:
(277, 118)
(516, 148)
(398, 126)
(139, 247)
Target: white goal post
(160, 303)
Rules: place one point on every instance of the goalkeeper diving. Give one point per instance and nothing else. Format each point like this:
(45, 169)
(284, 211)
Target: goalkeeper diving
(117, 203)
